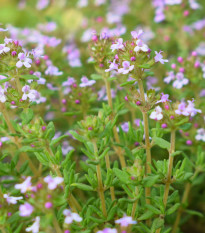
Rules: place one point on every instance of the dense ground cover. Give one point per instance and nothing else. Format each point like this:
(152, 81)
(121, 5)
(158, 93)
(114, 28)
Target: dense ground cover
(102, 116)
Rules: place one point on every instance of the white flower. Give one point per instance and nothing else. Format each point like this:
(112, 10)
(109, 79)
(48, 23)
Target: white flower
(24, 60)
(200, 135)
(26, 185)
(34, 228)
(11, 199)
(4, 49)
(157, 114)
(180, 81)
(27, 93)
(141, 46)
(70, 217)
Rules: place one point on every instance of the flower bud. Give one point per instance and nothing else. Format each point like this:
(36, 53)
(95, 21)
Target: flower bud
(138, 103)
(126, 99)
(189, 142)
(13, 102)
(164, 125)
(43, 128)
(173, 66)
(186, 13)
(180, 59)
(48, 205)
(166, 107)
(181, 69)
(194, 53)
(132, 58)
(197, 64)
(13, 53)
(171, 117)
(77, 101)
(63, 101)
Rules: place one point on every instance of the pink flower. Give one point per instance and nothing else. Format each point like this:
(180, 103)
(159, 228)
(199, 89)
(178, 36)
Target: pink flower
(126, 67)
(159, 58)
(113, 66)
(157, 114)
(125, 221)
(53, 182)
(4, 49)
(11, 199)
(25, 209)
(86, 82)
(25, 186)
(70, 81)
(141, 46)
(34, 228)
(137, 35)
(118, 45)
(24, 60)
(187, 110)
(70, 217)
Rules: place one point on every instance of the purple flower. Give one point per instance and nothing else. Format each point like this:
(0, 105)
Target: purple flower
(141, 46)
(137, 35)
(28, 93)
(25, 209)
(170, 77)
(24, 60)
(125, 221)
(2, 95)
(118, 45)
(180, 80)
(53, 70)
(159, 58)
(187, 110)
(4, 49)
(70, 217)
(25, 186)
(125, 127)
(113, 66)
(126, 67)
(164, 98)
(53, 182)
(86, 82)
(108, 230)
(34, 228)
(70, 81)
(11, 199)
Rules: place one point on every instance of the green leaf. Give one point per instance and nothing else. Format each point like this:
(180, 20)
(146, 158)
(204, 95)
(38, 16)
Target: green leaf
(30, 149)
(150, 180)
(193, 212)
(148, 214)
(157, 223)
(186, 126)
(82, 186)
(4, 80)
(127, 83)
(145, 66)
(122, 176)
(153, 209)
(77, 136)
(55, 141)
(172, 209)
(178, 152)
(162, 143)
(50, 133)
(29, 76)
(72, 113)
(42, 158)
(96, 76)
(27, 116)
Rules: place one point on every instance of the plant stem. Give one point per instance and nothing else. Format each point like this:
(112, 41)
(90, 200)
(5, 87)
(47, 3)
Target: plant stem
(100, 184)
(16, 141)
(170, 166)
(169, 174)
(180, 210)
(147, 141)
(118, 150)
(73, 203)
(56, 224)
(112, 190)
(134, 207)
